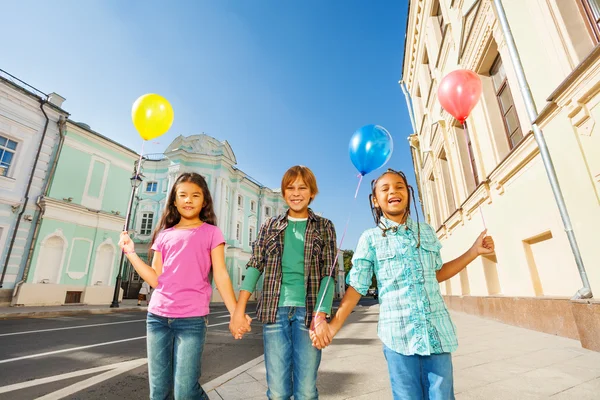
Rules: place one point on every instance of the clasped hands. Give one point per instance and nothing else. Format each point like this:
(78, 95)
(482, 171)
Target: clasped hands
(321, 332)
(239, 324)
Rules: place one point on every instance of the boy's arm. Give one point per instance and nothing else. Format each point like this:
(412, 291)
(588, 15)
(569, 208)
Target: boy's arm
(328, 268)
(483, 245)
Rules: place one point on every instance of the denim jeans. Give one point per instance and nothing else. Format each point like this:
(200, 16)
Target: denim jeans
(291, 360)
(420, 377)
(175, 348)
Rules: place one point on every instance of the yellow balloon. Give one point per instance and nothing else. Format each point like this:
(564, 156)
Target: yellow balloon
(152, 116)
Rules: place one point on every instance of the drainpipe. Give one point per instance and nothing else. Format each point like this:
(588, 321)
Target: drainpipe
(586, 291)
(61, 127)
(413, 148)
(18, 223)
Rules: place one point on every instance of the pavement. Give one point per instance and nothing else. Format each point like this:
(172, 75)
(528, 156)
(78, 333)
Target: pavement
(494, 361)
(127, 305)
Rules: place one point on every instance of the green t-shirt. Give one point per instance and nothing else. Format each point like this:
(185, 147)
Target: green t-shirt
(293, 291)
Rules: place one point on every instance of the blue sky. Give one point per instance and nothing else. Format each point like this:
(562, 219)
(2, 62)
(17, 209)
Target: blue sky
(284, 82)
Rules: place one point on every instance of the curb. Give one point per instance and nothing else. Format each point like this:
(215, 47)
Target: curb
(221, 380)
(59, 313)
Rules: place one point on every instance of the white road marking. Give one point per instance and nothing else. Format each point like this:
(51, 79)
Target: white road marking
(49, 353)
(71, 327)
(69, 375)
(79, 386)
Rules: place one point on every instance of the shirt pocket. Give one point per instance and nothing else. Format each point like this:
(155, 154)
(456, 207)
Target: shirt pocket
(430, 251)
(387, 265)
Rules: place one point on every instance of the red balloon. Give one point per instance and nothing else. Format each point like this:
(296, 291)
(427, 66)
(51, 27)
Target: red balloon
(459, 92)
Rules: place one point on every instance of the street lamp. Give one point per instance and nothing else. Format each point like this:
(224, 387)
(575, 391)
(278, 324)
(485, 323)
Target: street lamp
(136, 181)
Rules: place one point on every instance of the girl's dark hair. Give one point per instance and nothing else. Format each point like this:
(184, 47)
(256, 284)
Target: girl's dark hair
(171, 216)
(377, 213)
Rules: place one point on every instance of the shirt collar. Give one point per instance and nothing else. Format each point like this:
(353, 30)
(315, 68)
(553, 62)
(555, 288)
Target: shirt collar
(408, 225)
(282, 219)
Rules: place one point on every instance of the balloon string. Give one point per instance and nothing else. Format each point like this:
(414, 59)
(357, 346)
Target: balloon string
(337, 253)
(468, 138)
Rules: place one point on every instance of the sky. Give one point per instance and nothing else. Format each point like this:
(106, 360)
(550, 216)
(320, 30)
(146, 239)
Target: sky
(284, 82)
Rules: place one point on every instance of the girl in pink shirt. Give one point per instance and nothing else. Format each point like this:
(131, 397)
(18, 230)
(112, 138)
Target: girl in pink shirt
(186, 246)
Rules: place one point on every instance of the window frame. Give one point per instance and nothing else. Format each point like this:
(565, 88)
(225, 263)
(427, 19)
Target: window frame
(498, 92)
(592, 24)
(145, 217)
(155, 187)
(6, 170)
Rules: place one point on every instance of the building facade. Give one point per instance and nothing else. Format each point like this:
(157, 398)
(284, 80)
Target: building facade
(29, 134)
(492, 175)
(74, 253)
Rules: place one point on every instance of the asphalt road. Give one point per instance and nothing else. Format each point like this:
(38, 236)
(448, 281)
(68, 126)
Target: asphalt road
(104, 356)
(106, 353)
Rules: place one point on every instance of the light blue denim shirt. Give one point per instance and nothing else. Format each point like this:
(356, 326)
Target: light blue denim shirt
(413, 318)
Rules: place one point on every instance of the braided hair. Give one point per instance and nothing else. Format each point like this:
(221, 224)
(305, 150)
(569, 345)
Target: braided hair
(378, 213)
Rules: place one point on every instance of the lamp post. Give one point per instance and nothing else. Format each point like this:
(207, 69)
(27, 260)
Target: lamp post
(136, 181)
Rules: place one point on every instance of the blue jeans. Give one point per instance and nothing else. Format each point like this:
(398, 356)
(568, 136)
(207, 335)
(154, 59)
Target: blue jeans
(291, 360)
(175, 348)
(420, 377)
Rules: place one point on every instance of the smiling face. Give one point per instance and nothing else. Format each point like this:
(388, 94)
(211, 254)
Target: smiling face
(189, 200)
(392, 197)
(298, 196)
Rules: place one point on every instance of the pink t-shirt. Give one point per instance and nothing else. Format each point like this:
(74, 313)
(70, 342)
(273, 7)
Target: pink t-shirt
(184, 289)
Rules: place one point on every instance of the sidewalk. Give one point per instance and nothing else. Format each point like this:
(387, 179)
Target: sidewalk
(494, 361)
(56, 311)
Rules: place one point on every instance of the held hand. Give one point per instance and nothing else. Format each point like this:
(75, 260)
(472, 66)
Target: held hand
(245, 329)
(239, 324)
(484, 244)
(322, 335)
(125, 243)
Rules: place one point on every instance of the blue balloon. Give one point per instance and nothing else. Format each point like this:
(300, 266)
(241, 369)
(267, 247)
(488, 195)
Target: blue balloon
(370, 148)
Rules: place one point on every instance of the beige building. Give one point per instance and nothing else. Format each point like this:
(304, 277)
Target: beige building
(493, 175)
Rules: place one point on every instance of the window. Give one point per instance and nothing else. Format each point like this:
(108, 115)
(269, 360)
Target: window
(250, 236)
(472, 159)
(7, 152)
(433, 195)
(151, 187)
(240, 201)
(437, 13)
(466, 158)
(591, 11)
(447, 182)
(147, 219)
(267, 211)
(506, 103)
(238, 232)
(252, 206)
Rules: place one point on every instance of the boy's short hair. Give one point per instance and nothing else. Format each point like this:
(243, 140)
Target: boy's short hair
(303, 172)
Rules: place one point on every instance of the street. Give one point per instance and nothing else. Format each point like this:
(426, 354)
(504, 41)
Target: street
(102, 356)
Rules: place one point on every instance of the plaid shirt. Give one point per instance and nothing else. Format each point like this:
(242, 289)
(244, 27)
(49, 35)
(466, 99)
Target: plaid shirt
(413, 318)
(319, 253)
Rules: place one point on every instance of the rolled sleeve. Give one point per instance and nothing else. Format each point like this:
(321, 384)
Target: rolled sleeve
(360, 276)
(258, 254)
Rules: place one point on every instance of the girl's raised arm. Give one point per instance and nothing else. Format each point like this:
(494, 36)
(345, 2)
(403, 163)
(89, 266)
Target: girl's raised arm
(146, 272)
